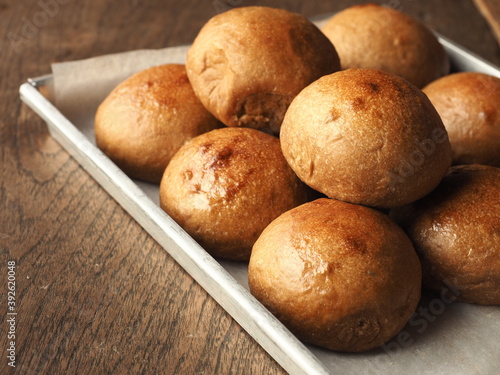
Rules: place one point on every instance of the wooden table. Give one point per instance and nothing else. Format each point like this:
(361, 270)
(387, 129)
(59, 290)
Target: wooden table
(94, 292)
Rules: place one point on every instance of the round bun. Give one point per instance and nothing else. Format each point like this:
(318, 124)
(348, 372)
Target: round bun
(247, 64)
(338, 275)
(469, 105)
(456, 232)
(147, 118)
(377, 37)
(226, 185)
(366, 136)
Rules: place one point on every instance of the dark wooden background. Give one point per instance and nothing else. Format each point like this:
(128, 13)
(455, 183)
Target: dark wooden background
(95, 293)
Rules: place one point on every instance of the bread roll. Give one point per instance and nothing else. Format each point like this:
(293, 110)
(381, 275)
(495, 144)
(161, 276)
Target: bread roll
(226, 185)
(456, 232)
(469, 105)
(145, 119)
(366, 136)
(338, 275)
(247, 64)
(378, 37)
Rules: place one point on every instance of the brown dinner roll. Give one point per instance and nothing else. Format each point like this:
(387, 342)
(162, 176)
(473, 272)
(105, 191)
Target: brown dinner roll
(247, 64)
(145, 119)
(378, 37)
(338, 275)
(366, 136)
(469, 105)
(226, 185)
(456, 232)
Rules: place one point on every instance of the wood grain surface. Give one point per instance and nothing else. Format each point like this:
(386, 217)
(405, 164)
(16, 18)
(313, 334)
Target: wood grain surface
(490, 9)
(94, 292)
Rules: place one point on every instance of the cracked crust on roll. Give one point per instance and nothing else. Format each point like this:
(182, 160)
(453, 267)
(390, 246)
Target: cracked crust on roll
(225, 186)
(338, 275)
(247, 64)
(366, 136)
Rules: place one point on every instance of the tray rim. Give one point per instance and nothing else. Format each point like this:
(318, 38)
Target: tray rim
(253, 317)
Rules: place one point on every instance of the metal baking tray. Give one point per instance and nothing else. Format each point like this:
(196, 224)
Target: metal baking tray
(441, 337)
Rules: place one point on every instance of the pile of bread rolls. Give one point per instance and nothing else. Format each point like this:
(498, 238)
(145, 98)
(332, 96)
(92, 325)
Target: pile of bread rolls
(346, 165)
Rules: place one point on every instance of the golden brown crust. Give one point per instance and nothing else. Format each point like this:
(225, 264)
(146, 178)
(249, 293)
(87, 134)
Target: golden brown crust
(468, 104)
(247, 64)
(456, 232)
(145, 119)
(225, 186)
(339, 275)
(366, 136)
(378, 37)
